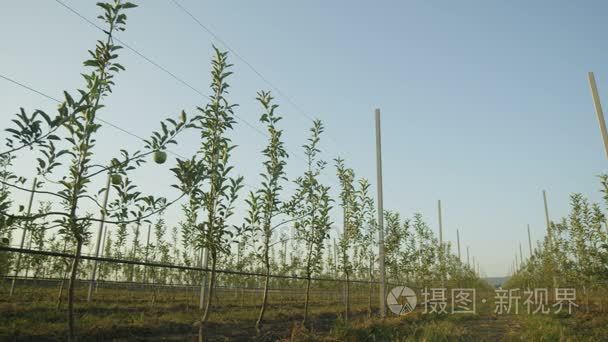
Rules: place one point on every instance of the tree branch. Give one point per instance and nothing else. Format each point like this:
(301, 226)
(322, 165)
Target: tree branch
(287, 221)
(137, 219)
(35, 191)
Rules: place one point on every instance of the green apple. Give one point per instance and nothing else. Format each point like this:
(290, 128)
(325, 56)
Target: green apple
(160, 157)
(116, 179)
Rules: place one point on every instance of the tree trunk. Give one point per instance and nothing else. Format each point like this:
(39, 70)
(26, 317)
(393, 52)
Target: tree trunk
(371, 288)
(308, 280)
(154, 291)
(71, 287)
(369, 302)
(242, 295)
(211, 285)
(60, 296)
(258, 324)
(306, 300)
(203, 262)
(347, 297)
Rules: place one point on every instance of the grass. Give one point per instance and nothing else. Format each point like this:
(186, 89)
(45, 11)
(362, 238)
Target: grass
(129, 314)
(576, 327)
(414, 327)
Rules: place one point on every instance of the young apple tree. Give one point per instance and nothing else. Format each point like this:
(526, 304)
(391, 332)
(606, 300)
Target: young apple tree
(310, 206)
(215, 189)
(266, 199)
(72, 135)
(366, 219)
(350, 210)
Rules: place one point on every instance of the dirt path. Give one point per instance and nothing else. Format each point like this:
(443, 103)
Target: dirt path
(493, 328)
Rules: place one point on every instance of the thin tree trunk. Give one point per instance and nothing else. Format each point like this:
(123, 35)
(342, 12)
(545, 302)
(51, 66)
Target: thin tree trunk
(308, 280)
(154, 290)
(306, 299)
(60, 296)
(65, 274)
(210, 287)
(203, 263)
(258, 324)
(369, 302)
(347, 297)
(238, 265)
(154, 294)
(371, 288)
(243, 294)
(71, 287)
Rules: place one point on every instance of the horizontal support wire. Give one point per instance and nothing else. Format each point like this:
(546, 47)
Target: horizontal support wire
(171, 266)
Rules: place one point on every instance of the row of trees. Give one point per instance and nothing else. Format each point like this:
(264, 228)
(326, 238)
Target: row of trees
(208, 191)
(574, 253)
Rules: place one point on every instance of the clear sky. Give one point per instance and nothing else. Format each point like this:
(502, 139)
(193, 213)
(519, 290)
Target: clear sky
(484, 103)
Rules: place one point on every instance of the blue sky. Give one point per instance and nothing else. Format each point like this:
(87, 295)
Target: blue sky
(484, 103)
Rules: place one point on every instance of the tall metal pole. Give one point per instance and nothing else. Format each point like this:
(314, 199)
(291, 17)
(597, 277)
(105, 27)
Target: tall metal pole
(103, 241)
(549, 233)
(205, 264)
(345, 285)
(147, 253)
(441, 248)
(547, 218)
(99, 235)
(285, 251)
(598, 110)
(29, 246)
(458, 241)
(521, 254)
(335, 259)
(25, 226)
(468, 260)
(530, 241)
(474, 265)
(440, 225)
(380, 217)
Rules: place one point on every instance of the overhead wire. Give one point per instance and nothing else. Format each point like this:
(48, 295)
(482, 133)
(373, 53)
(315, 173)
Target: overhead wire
(265, 79)
(171, 74)
(182, 81)
(115, 126)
